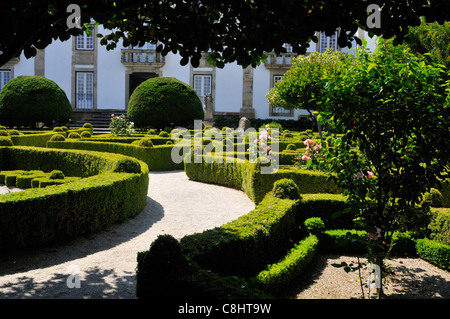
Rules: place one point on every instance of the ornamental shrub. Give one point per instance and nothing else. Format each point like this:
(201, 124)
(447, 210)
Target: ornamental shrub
(4, 133)
(164, 134)
(13, 132)
(291, 147)
(85, 134)
(315, 226)
(56, 174)
(303, 137)
(285, 188)
(164, 101)
(74, 135)
(58, 129)
(57, 137)
(6, 141)
(161, 268)
(26, 100)
(145, 142)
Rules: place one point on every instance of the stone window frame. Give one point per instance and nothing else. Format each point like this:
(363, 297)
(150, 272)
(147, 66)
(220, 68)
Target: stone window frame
(93, 89)
(203, 76)
(11, 75)
(204, 69)
(85, 36)
(273, 75)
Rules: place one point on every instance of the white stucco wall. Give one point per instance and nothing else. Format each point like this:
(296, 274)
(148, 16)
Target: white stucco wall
(24, 67)
(110, 78)
(229, 82)
(261, 86)
(58, 65)
(173, 68)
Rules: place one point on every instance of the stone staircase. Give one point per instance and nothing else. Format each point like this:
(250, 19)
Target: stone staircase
(100, 120)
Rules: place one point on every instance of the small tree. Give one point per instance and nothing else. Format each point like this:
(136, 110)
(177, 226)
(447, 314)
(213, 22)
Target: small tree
(395, 113)
(301, 87)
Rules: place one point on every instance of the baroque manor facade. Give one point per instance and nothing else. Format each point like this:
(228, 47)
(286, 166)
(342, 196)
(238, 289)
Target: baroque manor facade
(95, 79)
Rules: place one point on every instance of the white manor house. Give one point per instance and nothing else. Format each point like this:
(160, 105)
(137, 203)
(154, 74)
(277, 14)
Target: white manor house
(96, 80)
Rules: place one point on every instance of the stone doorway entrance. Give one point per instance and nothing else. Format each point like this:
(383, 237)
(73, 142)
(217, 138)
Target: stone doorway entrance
(137, 78)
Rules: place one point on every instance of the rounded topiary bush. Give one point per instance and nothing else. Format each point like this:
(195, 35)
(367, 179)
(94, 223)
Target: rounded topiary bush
(6, 141)
(13, 132)
(57, 137)
(85, 134)
(160, 269)
(162, 102)
(58, 129)
(291, 147)
(303, 137)
(315, 226)
(27, 100)
(164, 134)
(74, 135)
(56, 174)
(145, 142)
(4, 133)
(286, 188)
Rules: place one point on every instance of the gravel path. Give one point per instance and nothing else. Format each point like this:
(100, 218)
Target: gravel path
(105, 263)
(412, 278)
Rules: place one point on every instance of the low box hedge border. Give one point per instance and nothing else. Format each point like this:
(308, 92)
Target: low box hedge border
(435, 252)
(40, 138)
(248, 178)
(280, 275)
(242, 252)
(157, 158)
(114, 189)
(245, 245)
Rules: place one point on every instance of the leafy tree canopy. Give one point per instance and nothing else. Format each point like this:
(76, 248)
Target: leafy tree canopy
(233, 30)
(431, 40)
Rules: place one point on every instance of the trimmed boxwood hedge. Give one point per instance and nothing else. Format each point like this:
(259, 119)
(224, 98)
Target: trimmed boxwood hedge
(247, 244)
(440, 225)
(113, 189)
(158, 158)
(435, 252)
(40, 138)
(279, 275)
(245, 176)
